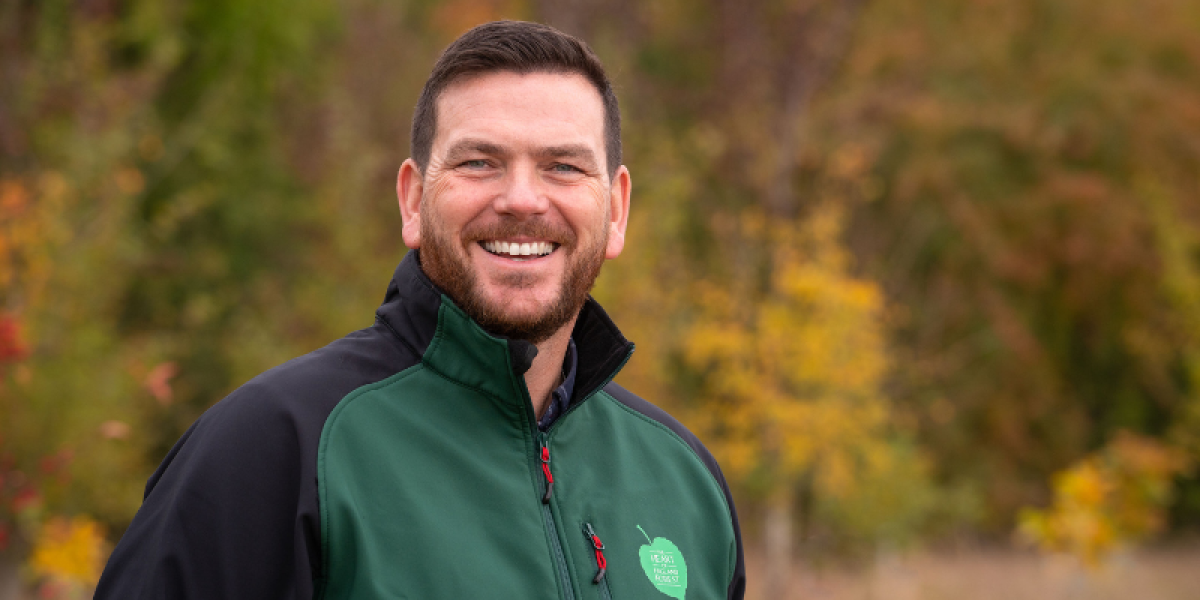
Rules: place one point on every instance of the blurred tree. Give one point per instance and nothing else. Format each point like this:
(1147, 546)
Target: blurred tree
(788, 388)
(996, 200)
(1111, 499)
(133, 187)
(1013, 227)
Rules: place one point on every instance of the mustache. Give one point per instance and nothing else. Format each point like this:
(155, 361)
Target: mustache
(509, 227)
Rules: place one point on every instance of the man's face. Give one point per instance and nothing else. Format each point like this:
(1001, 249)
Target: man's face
(516, 213)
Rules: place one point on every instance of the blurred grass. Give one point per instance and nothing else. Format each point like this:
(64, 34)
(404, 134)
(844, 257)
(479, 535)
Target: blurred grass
(997, 573)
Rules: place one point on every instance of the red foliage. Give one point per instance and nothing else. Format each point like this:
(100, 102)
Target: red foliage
(54, 463)
(25, 498)
(11, 348)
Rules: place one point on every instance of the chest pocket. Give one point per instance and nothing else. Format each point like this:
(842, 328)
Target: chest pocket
(656, 564)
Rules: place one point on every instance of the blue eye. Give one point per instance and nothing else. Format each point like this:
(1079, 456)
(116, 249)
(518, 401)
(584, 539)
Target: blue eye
(564, 168)
(475, 164)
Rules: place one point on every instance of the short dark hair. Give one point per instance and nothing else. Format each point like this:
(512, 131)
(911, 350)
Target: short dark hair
(520, 47)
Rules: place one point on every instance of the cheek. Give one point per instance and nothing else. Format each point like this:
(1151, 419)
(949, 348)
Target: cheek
(436, 187)
(591, 206)
(444, 205)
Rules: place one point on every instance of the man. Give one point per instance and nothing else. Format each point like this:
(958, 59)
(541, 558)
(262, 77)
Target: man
(470, 444)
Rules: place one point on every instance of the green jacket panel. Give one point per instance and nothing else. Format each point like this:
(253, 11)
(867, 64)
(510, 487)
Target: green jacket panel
(630, 477)
(413, 509)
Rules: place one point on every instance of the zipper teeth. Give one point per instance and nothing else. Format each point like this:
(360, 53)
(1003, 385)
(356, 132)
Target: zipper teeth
(564, 576)
(604, 591)
(543, 441)
(555, 544)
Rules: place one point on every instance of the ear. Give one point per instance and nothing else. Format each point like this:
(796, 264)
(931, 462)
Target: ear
(409, 187)
(618, 201)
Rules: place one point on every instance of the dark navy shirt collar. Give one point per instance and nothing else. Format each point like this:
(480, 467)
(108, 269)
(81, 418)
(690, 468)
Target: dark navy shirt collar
(560, 398)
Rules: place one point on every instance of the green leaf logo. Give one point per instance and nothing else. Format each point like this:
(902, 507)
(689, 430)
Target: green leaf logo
(664, 566)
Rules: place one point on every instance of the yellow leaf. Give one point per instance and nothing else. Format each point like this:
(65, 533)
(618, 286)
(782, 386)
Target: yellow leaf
(69, 550)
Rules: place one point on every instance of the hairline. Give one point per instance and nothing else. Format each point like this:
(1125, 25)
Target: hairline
(610, 170)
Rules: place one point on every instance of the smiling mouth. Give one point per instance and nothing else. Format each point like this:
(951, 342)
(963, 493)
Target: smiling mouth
(519, 250)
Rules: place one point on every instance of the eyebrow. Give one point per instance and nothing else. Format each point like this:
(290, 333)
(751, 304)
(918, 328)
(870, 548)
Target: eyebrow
(463, 148)
(576, 151)
(568, 151)
(467, 147)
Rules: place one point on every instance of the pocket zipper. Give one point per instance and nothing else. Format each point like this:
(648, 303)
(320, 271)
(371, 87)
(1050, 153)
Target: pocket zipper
(601, 562)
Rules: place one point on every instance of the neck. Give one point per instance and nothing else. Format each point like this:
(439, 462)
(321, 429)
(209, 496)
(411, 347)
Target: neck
(545, 373)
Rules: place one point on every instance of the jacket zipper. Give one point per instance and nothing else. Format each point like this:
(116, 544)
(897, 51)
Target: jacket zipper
(560, 560)
(601, 562)
(548, 480)
(542, 456)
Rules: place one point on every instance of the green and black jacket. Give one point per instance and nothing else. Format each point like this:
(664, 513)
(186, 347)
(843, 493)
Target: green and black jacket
(404, 462)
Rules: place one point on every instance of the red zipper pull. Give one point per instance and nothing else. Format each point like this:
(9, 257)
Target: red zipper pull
(598, 546)
(547, 473)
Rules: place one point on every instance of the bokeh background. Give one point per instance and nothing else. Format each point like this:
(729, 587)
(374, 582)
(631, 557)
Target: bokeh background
(924, 275)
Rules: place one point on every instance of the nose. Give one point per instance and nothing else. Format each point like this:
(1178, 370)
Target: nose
(523, 194)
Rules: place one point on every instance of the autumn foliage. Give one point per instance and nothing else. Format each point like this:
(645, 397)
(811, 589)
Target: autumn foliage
(1107, 500)
(909, 269)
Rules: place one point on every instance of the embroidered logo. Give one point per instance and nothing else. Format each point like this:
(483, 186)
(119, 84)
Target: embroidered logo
(664, 565)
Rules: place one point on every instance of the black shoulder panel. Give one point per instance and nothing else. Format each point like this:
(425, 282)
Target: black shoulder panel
(410, 305)
(737, 587)
(232, 510)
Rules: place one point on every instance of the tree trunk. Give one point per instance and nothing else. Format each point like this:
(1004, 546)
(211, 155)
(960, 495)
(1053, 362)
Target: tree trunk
(818, 41)
(778, 540)
(10, 577)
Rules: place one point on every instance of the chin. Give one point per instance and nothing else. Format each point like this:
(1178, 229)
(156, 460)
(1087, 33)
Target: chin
(520, 313)
(533, 321)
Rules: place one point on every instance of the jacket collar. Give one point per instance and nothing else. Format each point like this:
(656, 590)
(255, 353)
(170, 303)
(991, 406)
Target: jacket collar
(429, 323)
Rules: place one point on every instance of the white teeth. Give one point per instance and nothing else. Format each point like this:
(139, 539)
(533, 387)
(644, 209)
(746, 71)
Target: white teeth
(515, 249)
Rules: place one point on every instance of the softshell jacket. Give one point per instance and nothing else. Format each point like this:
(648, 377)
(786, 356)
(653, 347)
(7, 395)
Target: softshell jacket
(404, 462)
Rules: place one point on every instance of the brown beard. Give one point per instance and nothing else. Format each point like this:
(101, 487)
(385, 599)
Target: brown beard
(446, 264)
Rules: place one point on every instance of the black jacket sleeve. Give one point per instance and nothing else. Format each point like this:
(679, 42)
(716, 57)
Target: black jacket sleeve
(232, 511)
(229, 514)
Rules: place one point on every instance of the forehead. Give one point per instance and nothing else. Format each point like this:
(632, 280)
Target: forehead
(521, 110)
